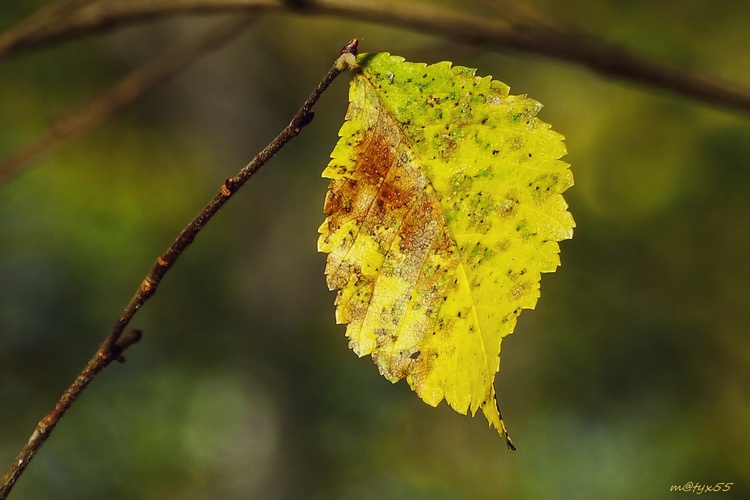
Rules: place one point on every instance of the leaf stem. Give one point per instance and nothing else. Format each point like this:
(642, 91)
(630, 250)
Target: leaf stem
(115, 343)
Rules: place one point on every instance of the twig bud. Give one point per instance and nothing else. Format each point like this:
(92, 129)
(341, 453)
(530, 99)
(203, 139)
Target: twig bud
(125, 341)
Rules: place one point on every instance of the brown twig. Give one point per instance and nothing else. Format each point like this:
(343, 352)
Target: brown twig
(112, 347)
(540, 38)
(122, 94)
(42, 19)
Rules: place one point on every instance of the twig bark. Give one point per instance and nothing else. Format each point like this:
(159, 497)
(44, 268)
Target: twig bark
(122, 94)
(113, 346)
(539, 38)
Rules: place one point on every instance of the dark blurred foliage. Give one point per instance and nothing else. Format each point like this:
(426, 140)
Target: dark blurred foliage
(631, 375)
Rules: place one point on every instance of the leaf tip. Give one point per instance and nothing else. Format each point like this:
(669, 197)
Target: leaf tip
(491, 410)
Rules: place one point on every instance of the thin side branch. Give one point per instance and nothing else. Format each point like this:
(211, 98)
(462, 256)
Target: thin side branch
(41, 20)
(128, 90)
(524, 34)
(115, 343)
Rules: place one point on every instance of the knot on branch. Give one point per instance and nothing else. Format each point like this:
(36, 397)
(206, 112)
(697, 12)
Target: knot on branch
(125, 341)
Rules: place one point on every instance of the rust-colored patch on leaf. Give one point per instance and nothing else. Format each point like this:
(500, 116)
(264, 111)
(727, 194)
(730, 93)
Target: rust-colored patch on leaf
(395, 214)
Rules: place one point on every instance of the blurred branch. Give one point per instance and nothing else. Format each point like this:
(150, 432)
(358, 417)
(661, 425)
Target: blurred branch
(519, 32)
(41, 20)
(122, 94)
(518, 13)
(115, 343)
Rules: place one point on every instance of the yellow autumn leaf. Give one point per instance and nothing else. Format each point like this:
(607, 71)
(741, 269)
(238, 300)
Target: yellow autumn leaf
(444, 207)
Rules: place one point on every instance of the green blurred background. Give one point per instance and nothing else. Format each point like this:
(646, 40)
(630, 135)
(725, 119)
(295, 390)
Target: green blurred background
(631, 375)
